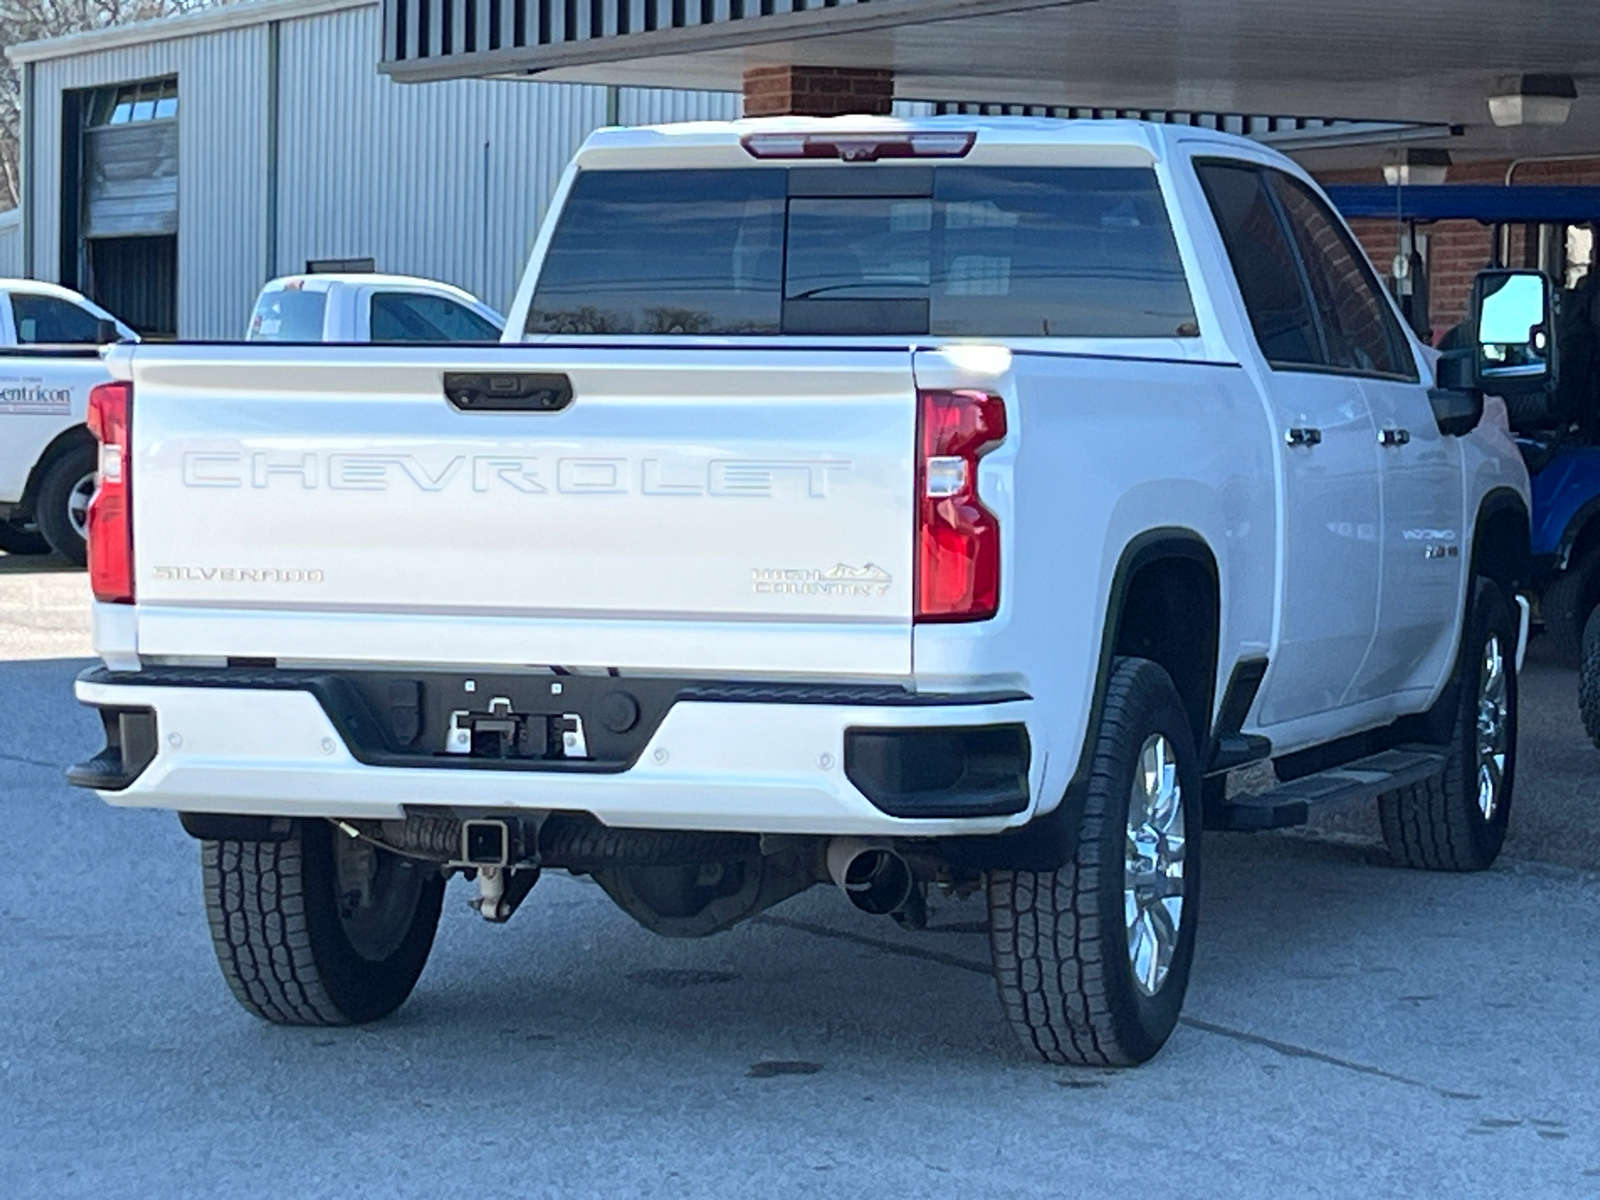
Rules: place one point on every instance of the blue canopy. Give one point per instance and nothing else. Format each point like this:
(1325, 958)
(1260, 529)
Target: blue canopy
(1468, 201)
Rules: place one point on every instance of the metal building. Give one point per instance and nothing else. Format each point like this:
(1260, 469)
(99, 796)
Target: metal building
(172, 166)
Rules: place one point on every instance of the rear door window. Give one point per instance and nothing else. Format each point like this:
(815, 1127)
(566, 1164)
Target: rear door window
(1359, 326)
(51, 321)
(289, 315)
(968, 251)
(414, 317)
(1271, 282)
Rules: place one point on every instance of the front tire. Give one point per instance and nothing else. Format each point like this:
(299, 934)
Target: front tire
(1565, 604)
(1456, 821)
(63, 505)
(1589, 678)
(319, 929)
(1092, 959)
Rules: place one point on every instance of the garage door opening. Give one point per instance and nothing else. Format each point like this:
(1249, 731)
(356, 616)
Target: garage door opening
(137, 279)
(125, 209)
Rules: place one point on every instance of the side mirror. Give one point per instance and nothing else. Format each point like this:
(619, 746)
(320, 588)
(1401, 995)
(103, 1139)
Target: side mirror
(1513, 314)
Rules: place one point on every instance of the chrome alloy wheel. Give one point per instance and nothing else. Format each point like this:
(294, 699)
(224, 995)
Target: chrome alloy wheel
(1153, 883)
(1493, 718)
(78, 503)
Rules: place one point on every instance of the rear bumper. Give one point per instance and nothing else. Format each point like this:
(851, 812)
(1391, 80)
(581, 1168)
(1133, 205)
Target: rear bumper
(724, 765)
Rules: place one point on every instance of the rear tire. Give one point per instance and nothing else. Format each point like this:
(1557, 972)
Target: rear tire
(1565, 604)
(64, 500)
(16, 540)
(319, 929)
(1457, 821)
(1589, 678)
(1092, 959)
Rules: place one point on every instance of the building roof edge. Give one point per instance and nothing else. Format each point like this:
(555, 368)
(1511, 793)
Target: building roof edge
(160, 29)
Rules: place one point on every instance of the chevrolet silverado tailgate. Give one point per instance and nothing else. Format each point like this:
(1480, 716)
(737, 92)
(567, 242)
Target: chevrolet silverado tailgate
(690, 509)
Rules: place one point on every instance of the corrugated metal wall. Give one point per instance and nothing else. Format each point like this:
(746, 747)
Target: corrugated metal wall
(11, 243)
(222, 139)
(447, 180)
(660, 106)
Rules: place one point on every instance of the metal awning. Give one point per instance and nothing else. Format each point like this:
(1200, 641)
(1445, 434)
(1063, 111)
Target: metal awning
(1365, 60)
(1469, 202)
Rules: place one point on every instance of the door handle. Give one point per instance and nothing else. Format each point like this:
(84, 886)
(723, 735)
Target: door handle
(1303, 436)
(507, 392)
(1393, 437)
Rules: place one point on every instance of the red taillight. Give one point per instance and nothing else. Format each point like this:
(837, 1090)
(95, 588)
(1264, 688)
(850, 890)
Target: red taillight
(958, 539)
(111, 509)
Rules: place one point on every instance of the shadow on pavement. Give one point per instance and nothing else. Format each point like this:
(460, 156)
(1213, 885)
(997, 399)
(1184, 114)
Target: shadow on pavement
(34, 564)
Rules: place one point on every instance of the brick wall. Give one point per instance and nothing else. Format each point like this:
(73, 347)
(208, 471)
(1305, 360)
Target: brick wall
(1457, 250)
(817, 91)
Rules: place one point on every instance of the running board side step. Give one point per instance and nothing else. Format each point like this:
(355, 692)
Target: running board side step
(1291, 803)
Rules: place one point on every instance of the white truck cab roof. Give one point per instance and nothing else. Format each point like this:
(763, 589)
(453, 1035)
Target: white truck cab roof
(344, 309)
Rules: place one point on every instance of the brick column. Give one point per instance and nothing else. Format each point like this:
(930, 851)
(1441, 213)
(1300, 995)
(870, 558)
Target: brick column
(817, 91)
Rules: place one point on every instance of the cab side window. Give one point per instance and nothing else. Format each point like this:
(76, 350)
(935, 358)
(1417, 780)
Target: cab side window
(1264, 263)
(408, 317)
(1358, 324)
(48, 321)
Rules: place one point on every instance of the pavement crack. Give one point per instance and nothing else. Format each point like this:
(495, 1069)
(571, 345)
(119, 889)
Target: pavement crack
(30, 762)
(1287, 1049)
(1290, 1050)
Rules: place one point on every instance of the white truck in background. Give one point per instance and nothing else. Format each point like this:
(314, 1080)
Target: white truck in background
(359, 307)
(49, 359)
(932, 507)
(50, 340)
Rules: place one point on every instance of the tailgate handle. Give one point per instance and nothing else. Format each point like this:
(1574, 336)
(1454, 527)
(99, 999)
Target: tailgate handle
(507, 392)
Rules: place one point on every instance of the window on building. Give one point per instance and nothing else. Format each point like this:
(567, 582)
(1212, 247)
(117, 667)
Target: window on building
(1359, 326)
(1264, 264)
(152, 100)
(49, 321)
(410, 317)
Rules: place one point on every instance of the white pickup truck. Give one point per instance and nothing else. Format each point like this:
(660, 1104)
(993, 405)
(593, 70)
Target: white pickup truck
(50, 340)
(936, 507)
(359, 307)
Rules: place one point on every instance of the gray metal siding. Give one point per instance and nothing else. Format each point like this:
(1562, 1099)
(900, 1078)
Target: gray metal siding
(661, 106)
(447, 180)
(221, 155)
(11, 244)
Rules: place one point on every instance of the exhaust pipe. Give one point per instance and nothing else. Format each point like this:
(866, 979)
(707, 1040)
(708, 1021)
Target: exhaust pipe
(874, 877)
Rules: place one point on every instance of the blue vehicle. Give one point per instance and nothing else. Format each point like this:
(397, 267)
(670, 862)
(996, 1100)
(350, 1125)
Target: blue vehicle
(1558, 433)
(1565, 538)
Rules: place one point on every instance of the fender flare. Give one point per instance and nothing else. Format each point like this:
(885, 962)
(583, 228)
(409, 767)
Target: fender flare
(1046, 842)
(1587, 512)
(1504, 500)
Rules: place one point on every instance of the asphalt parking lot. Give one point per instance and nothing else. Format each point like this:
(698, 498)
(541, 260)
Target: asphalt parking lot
(1351, 1029)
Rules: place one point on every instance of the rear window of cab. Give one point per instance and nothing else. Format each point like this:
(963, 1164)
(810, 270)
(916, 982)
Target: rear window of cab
(952, 251)
(288, 315)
